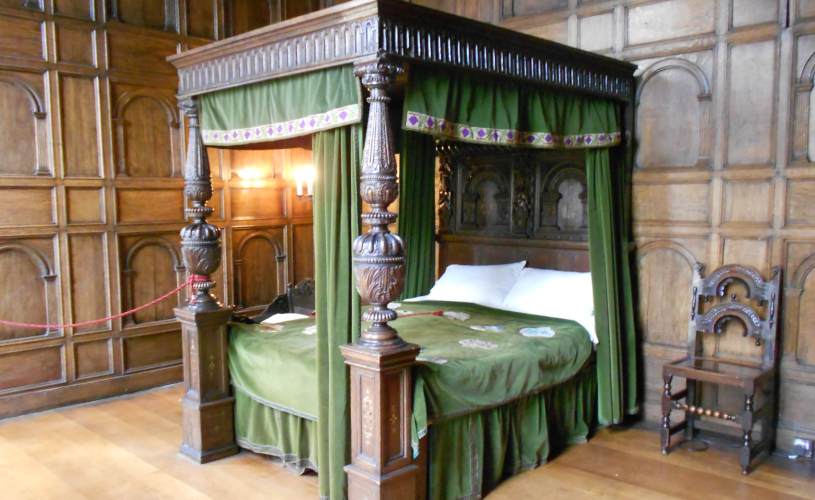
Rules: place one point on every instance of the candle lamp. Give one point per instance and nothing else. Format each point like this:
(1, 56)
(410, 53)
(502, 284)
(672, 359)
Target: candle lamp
(304, 178)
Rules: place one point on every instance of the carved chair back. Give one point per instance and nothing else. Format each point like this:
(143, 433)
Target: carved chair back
(763, 330)
(302, 297)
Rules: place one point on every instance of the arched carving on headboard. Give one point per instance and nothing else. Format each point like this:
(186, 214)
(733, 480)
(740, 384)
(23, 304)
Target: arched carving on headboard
(477, 177)
(550, 217)
(237, 261)
(704, 97)
(172, 120)
(801, 112)
(38, 110)
(127, 271)
(48, 276)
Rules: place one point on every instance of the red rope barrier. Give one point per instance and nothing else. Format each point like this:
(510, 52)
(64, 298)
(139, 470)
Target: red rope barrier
(193, 279)
(434, 313)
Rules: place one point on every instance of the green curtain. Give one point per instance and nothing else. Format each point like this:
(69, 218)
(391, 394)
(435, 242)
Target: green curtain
(336, 225)
(479, 108)
(611, 279)
(483, 109)
(417, 216)
(282, 108)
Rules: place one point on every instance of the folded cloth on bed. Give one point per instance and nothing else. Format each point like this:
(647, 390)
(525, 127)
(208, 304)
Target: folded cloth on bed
(278, 369)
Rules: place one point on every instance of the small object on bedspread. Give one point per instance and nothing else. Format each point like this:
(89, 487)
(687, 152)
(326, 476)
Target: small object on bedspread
(403, 312)
(456, 315)
(543, 331)
(477, 344)
(433, 359)
(482, 328)
(310, 330)
(271, 326)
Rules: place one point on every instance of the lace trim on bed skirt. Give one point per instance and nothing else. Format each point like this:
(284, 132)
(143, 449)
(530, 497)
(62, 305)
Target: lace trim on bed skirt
(274, 406)
(288, 460)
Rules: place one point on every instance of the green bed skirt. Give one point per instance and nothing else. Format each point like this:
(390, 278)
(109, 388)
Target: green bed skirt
(289, 440)
(469, 455)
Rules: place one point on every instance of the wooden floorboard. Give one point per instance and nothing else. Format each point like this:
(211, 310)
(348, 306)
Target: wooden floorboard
(127, 448)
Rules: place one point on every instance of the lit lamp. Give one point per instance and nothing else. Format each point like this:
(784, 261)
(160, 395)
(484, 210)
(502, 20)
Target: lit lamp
(304, 176)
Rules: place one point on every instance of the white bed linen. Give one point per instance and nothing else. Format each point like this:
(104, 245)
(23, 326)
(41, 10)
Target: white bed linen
(283, 317)
(482, 285)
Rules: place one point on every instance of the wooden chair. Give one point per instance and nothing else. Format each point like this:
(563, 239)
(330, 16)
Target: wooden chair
(297, 299)
(695, 367)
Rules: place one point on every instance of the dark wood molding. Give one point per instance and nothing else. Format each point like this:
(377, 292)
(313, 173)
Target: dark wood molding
(360, 30)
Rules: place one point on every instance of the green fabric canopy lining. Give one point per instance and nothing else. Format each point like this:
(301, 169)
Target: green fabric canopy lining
(283, 108)
(479, 108)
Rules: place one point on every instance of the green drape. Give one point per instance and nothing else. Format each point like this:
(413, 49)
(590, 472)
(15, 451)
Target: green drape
(417, 218)
(611, 279)
(282, 108)
(484, 109)
(480, 108)
(336, 224)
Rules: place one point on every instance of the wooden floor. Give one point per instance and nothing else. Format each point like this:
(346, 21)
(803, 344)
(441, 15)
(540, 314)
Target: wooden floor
(127, 448)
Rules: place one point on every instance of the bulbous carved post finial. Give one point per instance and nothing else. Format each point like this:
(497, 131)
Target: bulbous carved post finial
(200, 241)
(379, 256)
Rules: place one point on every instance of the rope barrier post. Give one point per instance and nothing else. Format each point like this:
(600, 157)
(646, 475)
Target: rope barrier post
(209, 429)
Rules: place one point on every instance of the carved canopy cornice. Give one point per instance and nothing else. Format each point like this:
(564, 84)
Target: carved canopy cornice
(363, 30)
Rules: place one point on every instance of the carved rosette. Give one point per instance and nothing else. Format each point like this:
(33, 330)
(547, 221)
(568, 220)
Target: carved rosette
(379, 256)
(200, 241)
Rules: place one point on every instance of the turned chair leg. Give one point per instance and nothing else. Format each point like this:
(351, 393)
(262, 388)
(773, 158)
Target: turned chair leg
(690, 417)
(747, 427)
(667, 406)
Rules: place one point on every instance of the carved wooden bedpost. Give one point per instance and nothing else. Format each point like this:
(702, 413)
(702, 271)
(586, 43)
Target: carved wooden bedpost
(207, 404)
(381, 391)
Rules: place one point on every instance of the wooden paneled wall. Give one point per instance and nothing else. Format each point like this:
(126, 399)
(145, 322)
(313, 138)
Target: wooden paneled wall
(725, 168)
(91, 196)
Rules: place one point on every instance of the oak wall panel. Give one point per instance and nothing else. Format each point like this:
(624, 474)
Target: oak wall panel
(32, 368)
(22, 273)
(258, 203)
(201, 18)
(751, 104)
(93, 359)
(20, 37)
(666, 203)
(80, 128)
(147, 54)
(75, 46)
(84, 205)
(748, 204)
(303, 252)
(800, 206)
(749, 12)
(151, 351)
(805, 348)
(149, 205)
(556, 31)
(18, 136)
(596, 32)
(26, 206)
(89, 286)
(81, 9)
(656, 21)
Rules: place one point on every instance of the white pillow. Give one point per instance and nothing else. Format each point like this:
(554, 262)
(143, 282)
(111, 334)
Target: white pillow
(557, 294)
(283, 317)
(483, 285)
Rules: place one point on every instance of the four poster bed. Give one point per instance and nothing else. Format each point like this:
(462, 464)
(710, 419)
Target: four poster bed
(534, 144)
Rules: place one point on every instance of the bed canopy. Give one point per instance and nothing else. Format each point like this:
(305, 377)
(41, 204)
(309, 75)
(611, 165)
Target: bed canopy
(454, 79)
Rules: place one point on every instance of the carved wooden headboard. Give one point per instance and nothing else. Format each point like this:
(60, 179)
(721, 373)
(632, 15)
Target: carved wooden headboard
(499, 205)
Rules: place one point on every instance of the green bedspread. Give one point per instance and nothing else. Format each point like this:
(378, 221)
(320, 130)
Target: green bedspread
(278, 368)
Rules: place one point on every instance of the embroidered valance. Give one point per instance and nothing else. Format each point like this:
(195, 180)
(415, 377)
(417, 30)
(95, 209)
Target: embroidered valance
(478, 108)
(281, 109)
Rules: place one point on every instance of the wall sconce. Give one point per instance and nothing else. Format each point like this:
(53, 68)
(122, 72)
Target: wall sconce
(304, 175)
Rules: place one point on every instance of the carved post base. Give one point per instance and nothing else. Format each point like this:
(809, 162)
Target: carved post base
(207, 405)
(381, 408)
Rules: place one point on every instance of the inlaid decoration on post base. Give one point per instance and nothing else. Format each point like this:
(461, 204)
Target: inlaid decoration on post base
(207, 404)
(381, 391)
